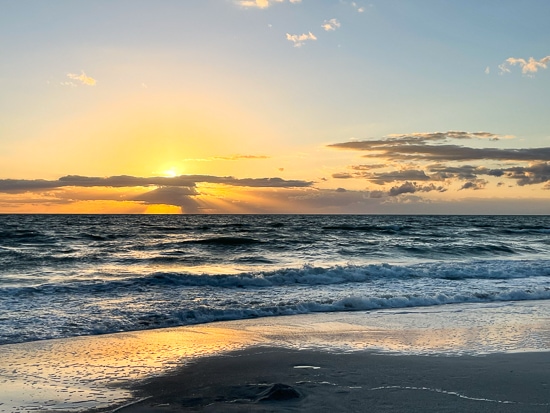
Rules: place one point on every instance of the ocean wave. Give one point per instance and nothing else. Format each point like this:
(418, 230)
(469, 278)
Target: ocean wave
(307, 275)
(450, 250)
(174, 315)
(215, 241)
(226, 241)
(365, 228)
(205, 314)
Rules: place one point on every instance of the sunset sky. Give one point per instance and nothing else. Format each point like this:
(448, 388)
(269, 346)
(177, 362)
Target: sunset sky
(275, 106)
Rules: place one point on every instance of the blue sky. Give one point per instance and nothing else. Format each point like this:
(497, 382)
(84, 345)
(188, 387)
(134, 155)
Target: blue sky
(273, 91)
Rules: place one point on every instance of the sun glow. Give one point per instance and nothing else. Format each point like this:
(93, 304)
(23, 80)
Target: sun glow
(170, 173)
(162, 209)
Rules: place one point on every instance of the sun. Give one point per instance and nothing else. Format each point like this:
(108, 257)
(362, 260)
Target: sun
(170, 173)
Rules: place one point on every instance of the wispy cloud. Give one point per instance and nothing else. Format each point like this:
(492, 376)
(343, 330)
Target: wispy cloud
(331, 25)
(451, 153)
(240, 157)
(528, 67)
(236, 157)
(360, 9)
(300, 39)
(263, 4)
(417, 146)
(392, 176)
(441, 136)
(82, 78)
(343, 175)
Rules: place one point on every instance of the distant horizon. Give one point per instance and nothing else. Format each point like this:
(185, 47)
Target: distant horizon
(272, 214)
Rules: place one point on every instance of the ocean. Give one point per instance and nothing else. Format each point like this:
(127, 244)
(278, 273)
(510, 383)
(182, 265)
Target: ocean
(74, 275)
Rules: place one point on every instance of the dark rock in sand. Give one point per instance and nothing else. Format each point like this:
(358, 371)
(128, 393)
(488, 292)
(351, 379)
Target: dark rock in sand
(279, 392)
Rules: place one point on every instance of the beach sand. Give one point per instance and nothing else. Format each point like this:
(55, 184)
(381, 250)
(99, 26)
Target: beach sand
(459, 358)
(281, 380)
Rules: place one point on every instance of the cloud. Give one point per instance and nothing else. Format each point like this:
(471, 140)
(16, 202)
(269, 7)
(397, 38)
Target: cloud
(528, 67)
(187, 181)
(236, 157)
(382, 178)
(461, 153)
(263, 4)
(434, 157)
(534, 174)
(404, 198)
(406, 188)
(342, 175)
(181, 197)
(404, 175)
(82, 78)
(377, 194)
(487, 70)
(413, 187)
(368, 166)
(300, 39)
(263, 182)
(421, 138)
(475, 185)
(417, 146)
(331, 25)
(360, 9)
(463, 172)
(325, 200)
(239, 157)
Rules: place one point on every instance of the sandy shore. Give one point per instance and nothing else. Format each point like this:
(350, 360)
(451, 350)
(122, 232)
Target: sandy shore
(459, 358)
(280, 380)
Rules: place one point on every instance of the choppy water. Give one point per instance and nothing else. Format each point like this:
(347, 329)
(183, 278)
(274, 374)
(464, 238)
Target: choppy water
(69, 275)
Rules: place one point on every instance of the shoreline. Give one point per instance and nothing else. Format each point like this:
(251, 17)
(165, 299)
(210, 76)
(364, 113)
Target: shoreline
(102, 373)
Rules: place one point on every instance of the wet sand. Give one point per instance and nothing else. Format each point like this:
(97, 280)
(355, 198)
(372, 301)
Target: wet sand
(456, 358)
(281, 380)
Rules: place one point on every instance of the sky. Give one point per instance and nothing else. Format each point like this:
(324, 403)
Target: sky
(275, 106)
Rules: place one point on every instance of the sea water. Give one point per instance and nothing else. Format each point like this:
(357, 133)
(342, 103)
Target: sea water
(73, 275)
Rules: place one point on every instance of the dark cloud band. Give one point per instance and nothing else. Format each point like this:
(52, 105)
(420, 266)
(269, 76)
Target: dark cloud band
(125, 181)
(422, 148)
